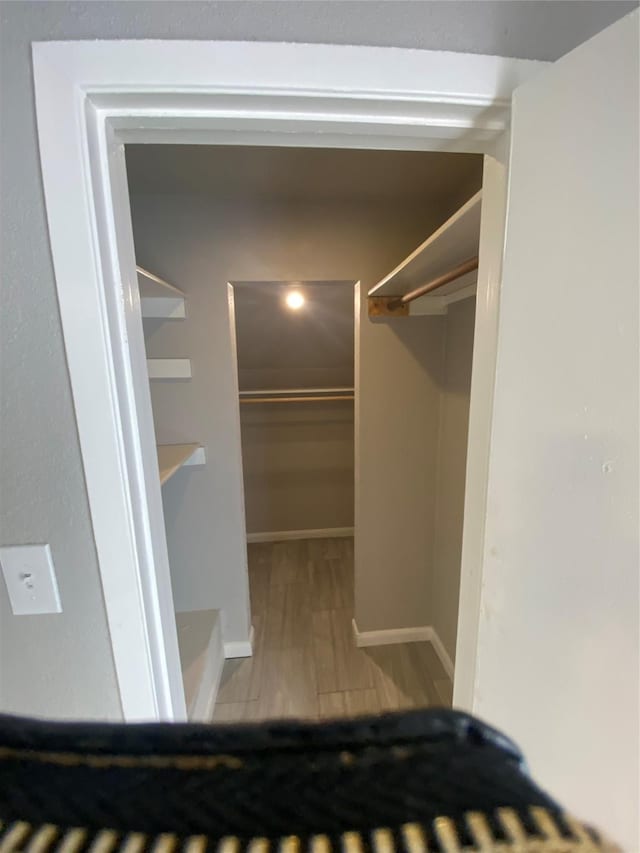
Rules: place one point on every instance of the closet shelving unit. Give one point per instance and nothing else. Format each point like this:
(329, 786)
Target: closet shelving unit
(163, 301)
(442, 270)
(199, 632)
(160, 299)
(172, 457)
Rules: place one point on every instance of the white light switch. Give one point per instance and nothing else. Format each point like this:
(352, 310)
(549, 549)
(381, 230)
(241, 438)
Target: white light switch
(30, 578)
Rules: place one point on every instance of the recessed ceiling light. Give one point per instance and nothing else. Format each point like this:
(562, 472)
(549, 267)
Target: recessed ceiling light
(294, 300)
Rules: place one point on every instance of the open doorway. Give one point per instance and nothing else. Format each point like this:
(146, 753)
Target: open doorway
(332, 550)
(295, 344)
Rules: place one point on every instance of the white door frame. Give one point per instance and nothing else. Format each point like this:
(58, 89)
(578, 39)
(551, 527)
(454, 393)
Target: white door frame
(91, 98)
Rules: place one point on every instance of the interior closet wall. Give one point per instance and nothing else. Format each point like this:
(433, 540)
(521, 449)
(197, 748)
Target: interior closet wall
(297, 458)
(298, 466)
(452, 459)
(203, 244)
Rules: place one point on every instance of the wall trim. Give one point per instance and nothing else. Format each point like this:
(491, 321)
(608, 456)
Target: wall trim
(92, 97)
(201, 709)
(391, 636)
(286, 535)
(239, 648)
(443, 654)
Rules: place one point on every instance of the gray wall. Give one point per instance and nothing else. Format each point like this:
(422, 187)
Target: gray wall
(297, 458)
(298, 466)
(452, 459)
(62, 664)
(400, 375)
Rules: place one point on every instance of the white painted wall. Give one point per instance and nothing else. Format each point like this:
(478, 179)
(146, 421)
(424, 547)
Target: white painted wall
(452, 459)
(558, 645)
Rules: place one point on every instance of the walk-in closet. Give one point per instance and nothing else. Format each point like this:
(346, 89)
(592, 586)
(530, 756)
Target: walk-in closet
(308, 319)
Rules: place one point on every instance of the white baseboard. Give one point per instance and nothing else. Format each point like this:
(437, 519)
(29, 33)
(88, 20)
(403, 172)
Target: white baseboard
(286, 535)
(443, 654)
(239, 648)
(201, 710)
(391, 636)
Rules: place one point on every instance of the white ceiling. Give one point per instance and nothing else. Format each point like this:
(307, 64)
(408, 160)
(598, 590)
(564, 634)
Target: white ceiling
(301, 174)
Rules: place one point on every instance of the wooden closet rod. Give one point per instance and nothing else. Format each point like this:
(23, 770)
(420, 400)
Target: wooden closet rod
(300, 399)
(434, 284)
(290, 392)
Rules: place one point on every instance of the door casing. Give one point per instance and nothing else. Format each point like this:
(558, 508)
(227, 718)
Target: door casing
(91, 99)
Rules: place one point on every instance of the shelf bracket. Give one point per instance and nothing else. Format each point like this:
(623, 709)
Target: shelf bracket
(386, 306)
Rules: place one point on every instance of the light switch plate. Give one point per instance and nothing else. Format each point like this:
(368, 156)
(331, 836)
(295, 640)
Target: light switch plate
(31, 579)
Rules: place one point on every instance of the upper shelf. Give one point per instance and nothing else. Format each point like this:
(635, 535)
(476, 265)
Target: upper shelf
(159, 298)
(171, 457)
(454, 242)
(154, 286)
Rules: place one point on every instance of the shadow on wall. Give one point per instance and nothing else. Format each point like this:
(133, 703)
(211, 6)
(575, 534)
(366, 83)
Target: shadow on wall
(411, 332)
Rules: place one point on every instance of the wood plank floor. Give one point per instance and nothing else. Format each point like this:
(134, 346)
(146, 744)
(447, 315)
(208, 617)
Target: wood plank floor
(305, 662)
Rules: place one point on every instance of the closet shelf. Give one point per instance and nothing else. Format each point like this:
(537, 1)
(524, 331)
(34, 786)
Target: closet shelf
(158, 298)
(152, 285)
(172, 457)
(169, 368)
(453, 245)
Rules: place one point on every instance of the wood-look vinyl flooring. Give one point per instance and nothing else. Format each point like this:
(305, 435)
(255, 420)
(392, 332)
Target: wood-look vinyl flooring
(305, 662)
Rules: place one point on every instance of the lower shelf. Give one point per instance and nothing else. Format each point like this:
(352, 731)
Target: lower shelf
(171, 457)
(201, 659)
(169, 368)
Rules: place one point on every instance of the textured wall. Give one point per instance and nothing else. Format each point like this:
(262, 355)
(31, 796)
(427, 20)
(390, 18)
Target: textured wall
(43, 497)
(452, 459)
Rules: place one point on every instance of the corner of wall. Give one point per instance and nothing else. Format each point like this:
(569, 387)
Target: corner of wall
(434, 556)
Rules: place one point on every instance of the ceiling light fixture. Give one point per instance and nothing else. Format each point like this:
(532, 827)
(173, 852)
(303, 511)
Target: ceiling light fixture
(294, 300)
